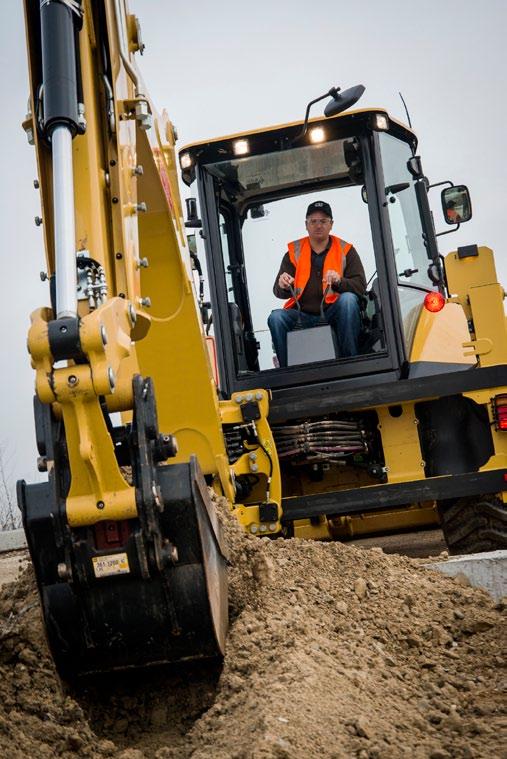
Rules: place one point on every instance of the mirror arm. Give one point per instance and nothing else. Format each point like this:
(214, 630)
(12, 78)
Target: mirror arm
(439, 184)
(448, 231)
(333, 92)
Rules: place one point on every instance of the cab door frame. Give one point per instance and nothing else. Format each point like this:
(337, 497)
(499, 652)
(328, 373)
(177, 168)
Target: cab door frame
(392, 362)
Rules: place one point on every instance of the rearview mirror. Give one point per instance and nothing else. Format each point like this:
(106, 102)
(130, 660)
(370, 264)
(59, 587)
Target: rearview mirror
(259, 212)
(343, 100)
(456, 204)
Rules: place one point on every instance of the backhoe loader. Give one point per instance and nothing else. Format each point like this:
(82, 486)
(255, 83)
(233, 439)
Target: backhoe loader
(148, 398)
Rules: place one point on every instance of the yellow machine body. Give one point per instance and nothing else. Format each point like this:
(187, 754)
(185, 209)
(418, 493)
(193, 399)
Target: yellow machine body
(123, 535)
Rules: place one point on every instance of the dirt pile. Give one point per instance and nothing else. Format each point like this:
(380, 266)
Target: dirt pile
(334, 651)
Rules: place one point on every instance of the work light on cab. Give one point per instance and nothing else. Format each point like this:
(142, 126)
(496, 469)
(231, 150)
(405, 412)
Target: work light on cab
(434, 302)
(317, 134)
(241, 147)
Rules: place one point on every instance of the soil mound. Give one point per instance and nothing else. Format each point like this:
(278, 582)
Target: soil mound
(334, 651)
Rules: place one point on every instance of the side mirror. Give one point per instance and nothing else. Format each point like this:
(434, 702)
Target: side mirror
(456, 204)
(343, 100)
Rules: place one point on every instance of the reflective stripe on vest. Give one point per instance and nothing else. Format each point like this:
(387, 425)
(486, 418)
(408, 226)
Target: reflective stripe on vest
(300, 254)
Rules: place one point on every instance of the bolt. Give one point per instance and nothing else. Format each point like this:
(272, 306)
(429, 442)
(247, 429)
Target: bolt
(112, 162)
(101, 505)
(63, 329)
(272, 526)
(103, 335)
(38, 221)
(146, 302)
(132, 314)
(119, 256)
(239, 399)
(114, 199)
(170, 445)
(112, 378)
(43, 276)
(249, 397)
(63, 571)
(138, 171)
(142, 263)
(156, 496)
(253, 528)
(141, 207)
(36, 184)
(254, 467)
(263, 528)
(107, 178)
(252, 456)
(72, 380)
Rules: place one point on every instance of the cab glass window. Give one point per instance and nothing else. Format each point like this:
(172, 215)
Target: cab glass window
(406, 229)
(266, 197)
(265, 240)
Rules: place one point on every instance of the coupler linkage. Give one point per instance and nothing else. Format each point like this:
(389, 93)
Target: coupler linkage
(135, 592)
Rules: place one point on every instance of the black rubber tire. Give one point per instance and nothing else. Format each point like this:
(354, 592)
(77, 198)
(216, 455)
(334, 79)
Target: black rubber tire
(473, 525)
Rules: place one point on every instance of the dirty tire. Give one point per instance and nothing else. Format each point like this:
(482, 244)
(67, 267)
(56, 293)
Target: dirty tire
(472, 525)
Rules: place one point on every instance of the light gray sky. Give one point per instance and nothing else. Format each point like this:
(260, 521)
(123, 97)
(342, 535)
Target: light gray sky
(225, 67)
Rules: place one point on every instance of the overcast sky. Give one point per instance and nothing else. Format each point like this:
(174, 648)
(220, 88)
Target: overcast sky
(225, 67)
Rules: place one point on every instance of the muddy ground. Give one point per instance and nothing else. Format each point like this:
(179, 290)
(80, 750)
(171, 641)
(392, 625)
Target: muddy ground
(334, 651)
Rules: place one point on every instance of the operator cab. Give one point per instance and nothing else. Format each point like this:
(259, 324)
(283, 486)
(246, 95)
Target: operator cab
(253, 191)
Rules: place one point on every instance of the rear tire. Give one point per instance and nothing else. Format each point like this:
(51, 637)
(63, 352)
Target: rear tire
(473, 525)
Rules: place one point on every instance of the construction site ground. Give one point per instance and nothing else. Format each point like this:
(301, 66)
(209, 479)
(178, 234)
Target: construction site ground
(335, 650)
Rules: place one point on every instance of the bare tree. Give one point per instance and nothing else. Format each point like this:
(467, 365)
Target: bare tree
(10, 517)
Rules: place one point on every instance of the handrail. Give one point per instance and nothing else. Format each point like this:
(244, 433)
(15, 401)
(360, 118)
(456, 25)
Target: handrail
(118, 12)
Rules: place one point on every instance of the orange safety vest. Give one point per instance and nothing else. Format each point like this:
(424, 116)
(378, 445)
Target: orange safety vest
(300, 254)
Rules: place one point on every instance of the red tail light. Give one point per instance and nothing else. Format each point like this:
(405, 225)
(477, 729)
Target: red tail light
(500, 411)
(434, 302)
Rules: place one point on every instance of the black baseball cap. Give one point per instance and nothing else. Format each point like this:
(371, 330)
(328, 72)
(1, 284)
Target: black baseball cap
(319, 205)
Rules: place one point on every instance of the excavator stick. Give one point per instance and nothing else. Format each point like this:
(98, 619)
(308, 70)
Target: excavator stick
(135, 592)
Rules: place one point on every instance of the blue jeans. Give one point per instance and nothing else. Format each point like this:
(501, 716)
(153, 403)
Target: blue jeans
(343, 315)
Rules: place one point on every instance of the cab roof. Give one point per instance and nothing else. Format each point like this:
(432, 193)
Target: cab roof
(282, 136)
(359, 112)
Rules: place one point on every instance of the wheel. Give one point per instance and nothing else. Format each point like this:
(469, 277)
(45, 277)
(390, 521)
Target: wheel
(473, 525)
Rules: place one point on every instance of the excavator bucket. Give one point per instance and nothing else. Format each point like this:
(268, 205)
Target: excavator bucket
(138, 592)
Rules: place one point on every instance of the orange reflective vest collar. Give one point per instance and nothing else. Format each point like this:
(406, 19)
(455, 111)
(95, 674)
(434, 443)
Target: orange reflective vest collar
(300, 254)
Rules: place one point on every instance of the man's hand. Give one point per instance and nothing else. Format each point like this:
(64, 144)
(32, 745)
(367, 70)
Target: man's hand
(285, 281)
(332, 277)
